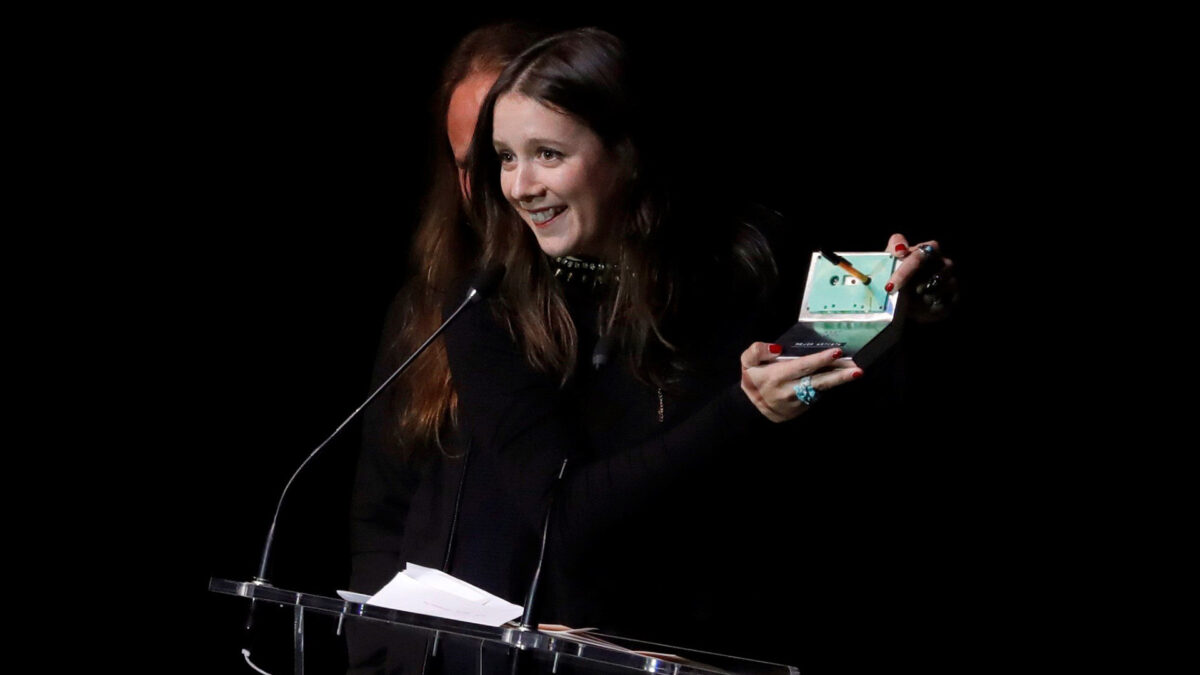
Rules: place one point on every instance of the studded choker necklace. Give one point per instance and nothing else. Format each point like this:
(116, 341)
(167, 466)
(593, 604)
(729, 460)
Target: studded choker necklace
(572, 270)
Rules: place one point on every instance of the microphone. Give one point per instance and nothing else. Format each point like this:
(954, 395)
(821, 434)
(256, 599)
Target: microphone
(483, 283)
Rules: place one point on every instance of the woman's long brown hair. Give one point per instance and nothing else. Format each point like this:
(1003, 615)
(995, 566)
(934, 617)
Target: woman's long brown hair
(444, 248)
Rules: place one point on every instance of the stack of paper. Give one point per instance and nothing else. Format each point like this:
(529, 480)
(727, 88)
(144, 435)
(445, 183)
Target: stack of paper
(422, 590)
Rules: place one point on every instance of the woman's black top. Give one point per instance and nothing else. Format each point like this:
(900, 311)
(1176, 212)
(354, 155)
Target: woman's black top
(681, 529)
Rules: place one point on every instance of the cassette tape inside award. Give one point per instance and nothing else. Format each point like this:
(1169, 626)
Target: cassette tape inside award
(840, 309)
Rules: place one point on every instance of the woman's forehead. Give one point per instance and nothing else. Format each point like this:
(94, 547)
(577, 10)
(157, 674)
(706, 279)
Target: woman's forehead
(520, 119)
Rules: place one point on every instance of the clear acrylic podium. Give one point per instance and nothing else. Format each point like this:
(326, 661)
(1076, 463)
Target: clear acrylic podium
(545, 651)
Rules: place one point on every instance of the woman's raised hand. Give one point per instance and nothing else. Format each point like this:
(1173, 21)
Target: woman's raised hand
(784, 389)
(923, 265)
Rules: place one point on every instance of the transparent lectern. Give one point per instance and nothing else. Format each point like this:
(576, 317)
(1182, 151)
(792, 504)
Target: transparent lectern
(539, 651)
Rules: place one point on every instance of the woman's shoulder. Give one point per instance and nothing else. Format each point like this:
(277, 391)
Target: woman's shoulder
(735, 259)
(748, 289)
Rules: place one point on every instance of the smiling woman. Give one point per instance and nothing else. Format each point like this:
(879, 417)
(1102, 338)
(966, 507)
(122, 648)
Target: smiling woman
(616, 341)
(616, 346)
(557, 174)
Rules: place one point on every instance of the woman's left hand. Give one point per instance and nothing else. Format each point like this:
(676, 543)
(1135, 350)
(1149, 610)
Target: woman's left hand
(930, 274)
(776, 387)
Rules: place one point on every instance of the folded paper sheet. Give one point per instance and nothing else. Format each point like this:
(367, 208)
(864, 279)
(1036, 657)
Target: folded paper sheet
(422, 590)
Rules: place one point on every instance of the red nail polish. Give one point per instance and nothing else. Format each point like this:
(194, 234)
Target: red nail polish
(775, 349)
(889, 287)
(857, 374)
(900, 248)
(837, 354)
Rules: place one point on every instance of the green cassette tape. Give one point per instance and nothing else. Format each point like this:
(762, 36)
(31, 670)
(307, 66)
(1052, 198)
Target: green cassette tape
(833, 290)
(840, 310)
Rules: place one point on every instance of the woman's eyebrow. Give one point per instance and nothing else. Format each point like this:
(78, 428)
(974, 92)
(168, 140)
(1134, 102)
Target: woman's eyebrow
(533, 143)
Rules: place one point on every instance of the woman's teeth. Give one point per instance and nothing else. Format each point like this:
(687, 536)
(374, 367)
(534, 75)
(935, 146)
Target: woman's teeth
(540, 217)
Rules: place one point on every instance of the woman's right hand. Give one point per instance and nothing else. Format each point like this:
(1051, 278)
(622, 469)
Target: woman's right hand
(771, 384)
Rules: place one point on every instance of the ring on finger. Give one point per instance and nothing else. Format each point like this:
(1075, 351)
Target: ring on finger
(927, 249)
(804, 390)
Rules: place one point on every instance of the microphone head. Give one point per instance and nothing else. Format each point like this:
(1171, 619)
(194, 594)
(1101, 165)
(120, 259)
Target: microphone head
(485, 282)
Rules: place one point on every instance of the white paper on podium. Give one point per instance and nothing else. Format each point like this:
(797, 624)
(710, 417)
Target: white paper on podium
(422, 590)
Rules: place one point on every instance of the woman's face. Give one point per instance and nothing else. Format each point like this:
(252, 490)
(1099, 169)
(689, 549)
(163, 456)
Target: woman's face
(557, 174)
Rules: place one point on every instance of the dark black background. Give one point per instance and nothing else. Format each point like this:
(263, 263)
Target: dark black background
(269, 168)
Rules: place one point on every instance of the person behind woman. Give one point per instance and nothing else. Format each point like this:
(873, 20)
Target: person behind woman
(407, 469)
(617, 341)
